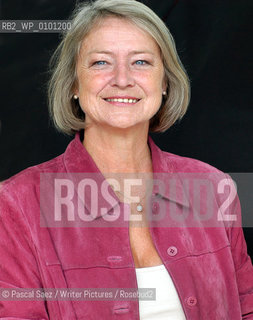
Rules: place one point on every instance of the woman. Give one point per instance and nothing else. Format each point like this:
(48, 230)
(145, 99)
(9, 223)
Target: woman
(117, 77)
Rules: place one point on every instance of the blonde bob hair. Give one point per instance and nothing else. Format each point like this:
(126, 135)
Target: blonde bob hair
(66, 112)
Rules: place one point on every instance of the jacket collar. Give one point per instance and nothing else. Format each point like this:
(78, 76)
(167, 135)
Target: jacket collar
(77, 160)
(165, 171)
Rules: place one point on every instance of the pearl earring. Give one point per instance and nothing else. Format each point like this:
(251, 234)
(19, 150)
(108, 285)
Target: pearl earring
(75, 96)
(164, 93)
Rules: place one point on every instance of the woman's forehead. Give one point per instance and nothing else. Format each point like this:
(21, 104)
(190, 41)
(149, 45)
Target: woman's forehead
(118, 33)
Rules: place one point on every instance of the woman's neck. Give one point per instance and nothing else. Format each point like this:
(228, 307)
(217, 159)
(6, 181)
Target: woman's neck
(119, 150)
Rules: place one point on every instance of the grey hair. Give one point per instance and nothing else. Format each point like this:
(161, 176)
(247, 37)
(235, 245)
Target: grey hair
(66, 112)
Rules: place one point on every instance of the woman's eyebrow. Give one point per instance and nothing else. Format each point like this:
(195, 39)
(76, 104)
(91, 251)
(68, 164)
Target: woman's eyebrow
(99, 51)
(111, 53)
(142, 52)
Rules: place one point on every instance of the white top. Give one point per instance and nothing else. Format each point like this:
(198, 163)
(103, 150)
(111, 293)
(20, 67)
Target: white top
(167, 305)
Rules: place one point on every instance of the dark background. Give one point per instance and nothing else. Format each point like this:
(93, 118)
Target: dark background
(214, 42)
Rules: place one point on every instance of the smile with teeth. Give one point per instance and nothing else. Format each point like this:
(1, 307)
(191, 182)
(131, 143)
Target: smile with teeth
(124, 100)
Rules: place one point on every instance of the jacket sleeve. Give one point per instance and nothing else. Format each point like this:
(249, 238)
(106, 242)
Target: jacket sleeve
(243, 264)
(18, 264)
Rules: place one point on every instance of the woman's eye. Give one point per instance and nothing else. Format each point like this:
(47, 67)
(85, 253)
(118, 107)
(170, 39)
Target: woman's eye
(99, 63)
(141, 62)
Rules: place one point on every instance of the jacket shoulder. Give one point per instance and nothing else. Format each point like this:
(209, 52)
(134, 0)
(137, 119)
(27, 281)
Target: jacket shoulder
(30, 177)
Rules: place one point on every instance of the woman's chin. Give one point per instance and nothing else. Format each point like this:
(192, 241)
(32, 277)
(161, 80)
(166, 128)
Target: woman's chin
(126, 124)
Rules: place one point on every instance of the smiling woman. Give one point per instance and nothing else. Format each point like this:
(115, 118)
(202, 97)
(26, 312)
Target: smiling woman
(120, 77)
(114, 213)
(159, 47)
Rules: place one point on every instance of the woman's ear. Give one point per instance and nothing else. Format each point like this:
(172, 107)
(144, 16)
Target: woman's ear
(75, 93)
(164, 85)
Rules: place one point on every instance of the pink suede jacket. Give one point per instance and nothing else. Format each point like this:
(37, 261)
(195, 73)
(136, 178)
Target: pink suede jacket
(208, 263)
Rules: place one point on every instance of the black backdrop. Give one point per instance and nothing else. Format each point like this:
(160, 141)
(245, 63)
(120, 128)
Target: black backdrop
(213, 39)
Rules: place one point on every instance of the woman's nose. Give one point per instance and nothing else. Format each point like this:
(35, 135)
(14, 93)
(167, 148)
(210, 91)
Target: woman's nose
(122, 76)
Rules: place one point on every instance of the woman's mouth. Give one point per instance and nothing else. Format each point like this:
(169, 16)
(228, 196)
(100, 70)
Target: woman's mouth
(122, 100)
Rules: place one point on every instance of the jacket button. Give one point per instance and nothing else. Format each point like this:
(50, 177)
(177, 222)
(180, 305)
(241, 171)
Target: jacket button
(154, 207)
(172, 251)
(114, 258)
(191, 301)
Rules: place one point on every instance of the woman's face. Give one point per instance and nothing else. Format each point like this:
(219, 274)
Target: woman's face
(120, 75)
